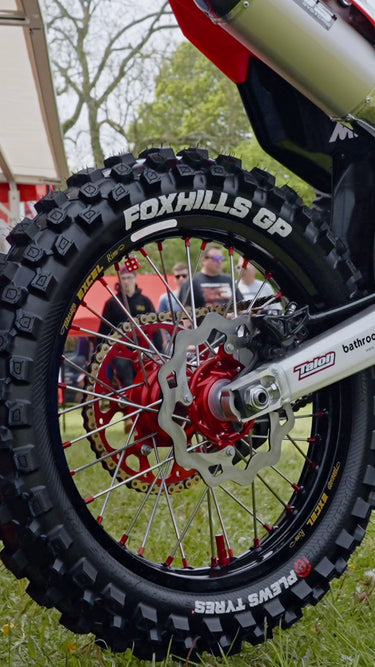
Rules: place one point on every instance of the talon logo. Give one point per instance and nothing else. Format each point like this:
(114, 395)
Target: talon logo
(315, 365)
(302, 567)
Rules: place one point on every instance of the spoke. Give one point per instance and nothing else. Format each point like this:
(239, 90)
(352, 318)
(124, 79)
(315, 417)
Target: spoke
(233, 281)
(131, 318)
(115, 473)
(189, 523)
(112, 423)
(94, 497)
(294, 442)
(111, 454)
(165, 282)
(172, 297)
(173, 518)
(112, 397)
(89, 375)
(307, 439)
(255, 525)
(102, 319)
(128, 343)
(212, 531)
(138, 512)
(246, 508)
(274, 493)
(221, 520)
(151, 519)
(191, 286)
(295, 486)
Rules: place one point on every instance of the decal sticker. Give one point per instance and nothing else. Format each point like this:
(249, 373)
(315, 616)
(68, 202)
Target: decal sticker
(132, 264)
(341, 133)
(335, 472)
(113, 254)
(318, 510)
(302, 567)
(316, 365)
(253, 600)
(359, 342)
(68, 319)
(318, 11)
(151, 229)
(218, 606)
(300, 535)
(200, 200)
(95, 273)
(273, 590)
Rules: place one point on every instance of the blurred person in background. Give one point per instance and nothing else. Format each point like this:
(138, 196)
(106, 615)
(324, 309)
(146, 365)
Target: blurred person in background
(211, 286)
(129, 298)
(167, 301)
(249, 285)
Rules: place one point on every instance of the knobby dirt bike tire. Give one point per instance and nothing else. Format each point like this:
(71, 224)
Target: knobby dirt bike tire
(287, 538)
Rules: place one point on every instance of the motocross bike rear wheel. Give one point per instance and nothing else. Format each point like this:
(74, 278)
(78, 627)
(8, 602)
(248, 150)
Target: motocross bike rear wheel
(155, 531)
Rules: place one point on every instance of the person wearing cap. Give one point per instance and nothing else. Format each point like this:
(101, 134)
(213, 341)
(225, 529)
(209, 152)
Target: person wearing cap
(129, 299)
(167, 301)
(211, 286)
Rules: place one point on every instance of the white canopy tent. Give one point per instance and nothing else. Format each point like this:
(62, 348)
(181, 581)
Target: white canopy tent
(31, 146)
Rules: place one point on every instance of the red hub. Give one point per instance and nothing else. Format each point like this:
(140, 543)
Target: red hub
(205, 384)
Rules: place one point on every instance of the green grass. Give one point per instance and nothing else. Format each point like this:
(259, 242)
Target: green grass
(338, 632)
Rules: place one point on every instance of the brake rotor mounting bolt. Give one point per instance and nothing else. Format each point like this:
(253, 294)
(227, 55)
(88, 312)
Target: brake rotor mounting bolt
(229, 348)
(187, 399)
(146, 450)
(229, 451)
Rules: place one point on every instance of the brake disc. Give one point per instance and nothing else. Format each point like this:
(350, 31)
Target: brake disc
(215, 461)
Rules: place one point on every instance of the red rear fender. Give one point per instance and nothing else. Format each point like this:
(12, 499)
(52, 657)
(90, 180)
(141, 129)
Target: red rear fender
(224, 51)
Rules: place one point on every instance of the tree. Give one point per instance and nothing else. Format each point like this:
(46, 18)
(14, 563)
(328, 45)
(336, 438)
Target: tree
(103, 54)
(195, 104)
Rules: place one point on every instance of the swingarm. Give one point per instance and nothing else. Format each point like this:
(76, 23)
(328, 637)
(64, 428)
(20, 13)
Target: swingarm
(341, 351)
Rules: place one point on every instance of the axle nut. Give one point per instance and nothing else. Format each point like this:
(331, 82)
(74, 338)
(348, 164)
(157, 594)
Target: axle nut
(257, 397)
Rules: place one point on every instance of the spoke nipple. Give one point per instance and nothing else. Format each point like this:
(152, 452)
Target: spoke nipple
(169, 561)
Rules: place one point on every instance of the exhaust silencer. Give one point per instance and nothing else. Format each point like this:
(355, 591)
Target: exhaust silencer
(314, 49)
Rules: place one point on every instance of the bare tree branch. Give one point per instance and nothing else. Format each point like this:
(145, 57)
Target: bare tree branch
(101, 51)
